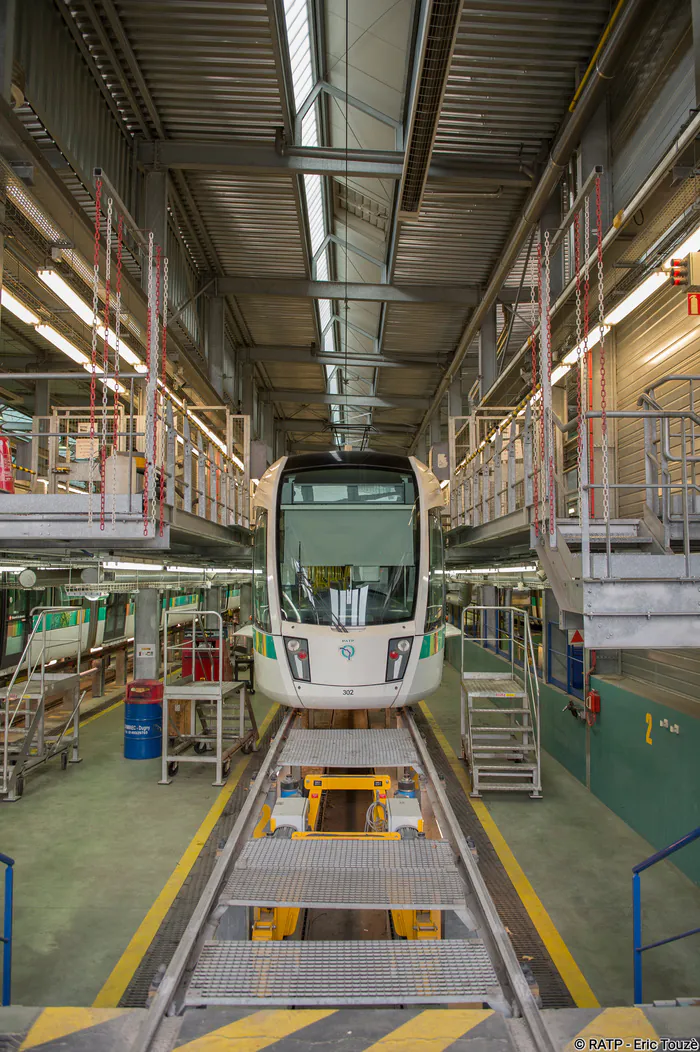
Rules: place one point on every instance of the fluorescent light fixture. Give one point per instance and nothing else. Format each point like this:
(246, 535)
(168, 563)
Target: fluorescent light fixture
(498, 569)
(560, 372)
(189, 569)
(445, 482)
(59, 341)
(640, 294)
(125, 352)
(64, 292)
(691, 244)
(156, 567)
(17, 308)
(593, 340)
(12, 569)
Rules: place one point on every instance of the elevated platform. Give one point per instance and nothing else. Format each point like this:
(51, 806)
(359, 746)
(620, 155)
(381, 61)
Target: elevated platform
(356, 748)
(343, 874)
(335, 973)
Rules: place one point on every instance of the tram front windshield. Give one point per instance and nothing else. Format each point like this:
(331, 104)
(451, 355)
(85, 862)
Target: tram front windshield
(348, 546)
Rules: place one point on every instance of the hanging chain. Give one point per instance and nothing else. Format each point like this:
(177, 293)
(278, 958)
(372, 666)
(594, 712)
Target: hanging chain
(579, 354)
(533, 416)
(117, 335)
(163, 379)
(157, 405)
(540, 412)
(601, 322)
(585, 372)
(95, 325)
(105, 365)
(549, 421)
(148, 416)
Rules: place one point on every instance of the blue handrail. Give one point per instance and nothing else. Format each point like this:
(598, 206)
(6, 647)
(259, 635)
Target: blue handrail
(6, 938)
(658, 856)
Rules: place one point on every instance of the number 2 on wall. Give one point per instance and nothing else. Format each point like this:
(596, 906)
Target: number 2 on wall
(648, 734)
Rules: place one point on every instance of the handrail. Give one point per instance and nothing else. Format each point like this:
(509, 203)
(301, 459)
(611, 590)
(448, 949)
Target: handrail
(639, 949)
(6, 937)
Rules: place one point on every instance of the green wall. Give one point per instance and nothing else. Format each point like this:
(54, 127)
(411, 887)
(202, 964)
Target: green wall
(654, 788)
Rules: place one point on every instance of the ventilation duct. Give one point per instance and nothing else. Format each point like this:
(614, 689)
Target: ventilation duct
(440, 30)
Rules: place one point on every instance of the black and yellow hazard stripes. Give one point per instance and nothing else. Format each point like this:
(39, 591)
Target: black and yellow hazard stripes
(83, 1029)
(352, 1029)
(581, 1030)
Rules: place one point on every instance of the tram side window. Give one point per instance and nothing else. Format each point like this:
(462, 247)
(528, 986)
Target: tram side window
(261, 600)
(435, 612)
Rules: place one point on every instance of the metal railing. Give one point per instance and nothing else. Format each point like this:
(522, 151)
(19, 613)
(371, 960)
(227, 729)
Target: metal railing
(18, 706)
(6, 937)
(519, 649)
(170, 458)
(637, 870)
(504, 473)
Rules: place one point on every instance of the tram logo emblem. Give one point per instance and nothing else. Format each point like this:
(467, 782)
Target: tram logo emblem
(347, 652)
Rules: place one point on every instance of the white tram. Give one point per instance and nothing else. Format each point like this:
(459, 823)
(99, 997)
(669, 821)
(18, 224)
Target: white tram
(348, 581)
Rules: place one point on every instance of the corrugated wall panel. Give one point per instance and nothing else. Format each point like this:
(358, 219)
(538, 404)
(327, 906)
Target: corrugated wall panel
(677, 670)
(63, 93)
(654, 341)
(651, 97)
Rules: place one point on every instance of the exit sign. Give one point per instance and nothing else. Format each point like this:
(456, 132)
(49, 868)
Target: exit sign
(694, 303)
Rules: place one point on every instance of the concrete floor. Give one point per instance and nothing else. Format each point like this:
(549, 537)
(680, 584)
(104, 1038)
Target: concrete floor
(578, 856)
(95, 844)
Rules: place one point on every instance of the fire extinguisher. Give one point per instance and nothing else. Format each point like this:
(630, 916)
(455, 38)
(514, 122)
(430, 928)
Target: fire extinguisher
(592, 706)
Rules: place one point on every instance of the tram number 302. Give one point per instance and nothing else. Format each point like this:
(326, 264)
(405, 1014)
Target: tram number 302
(348, 692)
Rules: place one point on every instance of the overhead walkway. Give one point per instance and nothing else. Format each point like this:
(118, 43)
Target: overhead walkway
(621, 556)
(101, 485)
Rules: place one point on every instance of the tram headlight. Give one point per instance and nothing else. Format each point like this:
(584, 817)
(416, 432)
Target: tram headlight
(397, 658)
(298, 657)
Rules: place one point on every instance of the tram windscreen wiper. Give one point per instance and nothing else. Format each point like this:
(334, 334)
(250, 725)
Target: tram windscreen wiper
(315, 596)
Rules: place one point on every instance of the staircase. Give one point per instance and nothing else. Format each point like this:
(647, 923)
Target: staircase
(500, 715)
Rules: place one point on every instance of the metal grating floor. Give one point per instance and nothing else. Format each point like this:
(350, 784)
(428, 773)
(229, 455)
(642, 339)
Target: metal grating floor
(356, 748)
(492, 688)
(346, 854)
(381, 889)
(337, 973)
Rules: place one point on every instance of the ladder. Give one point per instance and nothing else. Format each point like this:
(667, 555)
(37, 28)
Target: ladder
(39, 710)
(499, 714)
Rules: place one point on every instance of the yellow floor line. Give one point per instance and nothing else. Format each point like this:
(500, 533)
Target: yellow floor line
(432, 1031)
(120, 977)
(556, 947)
(110, 708)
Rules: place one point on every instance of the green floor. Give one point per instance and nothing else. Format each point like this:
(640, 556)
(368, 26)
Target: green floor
(95, 844)
(578, 856)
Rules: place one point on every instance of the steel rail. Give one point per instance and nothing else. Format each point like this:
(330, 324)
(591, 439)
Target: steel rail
(493, 924)
(175, 972)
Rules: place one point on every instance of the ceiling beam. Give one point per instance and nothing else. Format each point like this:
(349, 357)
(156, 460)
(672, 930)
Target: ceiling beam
(306, 354)
(323, 398)
(244, 156)
(304, 426)
(465, 296)
(302, 288)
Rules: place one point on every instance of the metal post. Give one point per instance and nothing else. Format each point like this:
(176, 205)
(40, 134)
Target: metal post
(146, 634)
(7, 930)
(487, 352)
(637, 936)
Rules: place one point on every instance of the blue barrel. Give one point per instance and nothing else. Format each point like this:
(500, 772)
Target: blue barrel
(143, 720)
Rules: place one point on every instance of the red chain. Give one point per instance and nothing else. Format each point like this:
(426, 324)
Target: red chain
(587, 394)
(533, 353)
(149, 317)
(163, 378)
(96, 265)
(603, 392)
(579, 392)
(541, 410)
(115, 424)
(157, 310)
(552, 498)
(105, 370)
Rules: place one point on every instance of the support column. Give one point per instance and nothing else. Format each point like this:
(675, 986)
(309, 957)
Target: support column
(42, 397)
(695, 7)
(229, 378)
(487, 353)
(435, 429)
(215, 338)
(147, 634)
(247, 389)
(454, 397)
(550, 220)
(8, 11)
(595, 149)
(422, 449)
